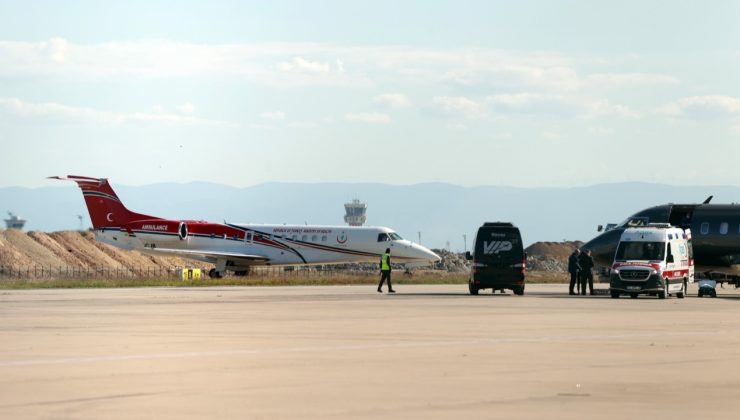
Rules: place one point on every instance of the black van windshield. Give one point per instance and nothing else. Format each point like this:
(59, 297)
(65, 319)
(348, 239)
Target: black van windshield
(641, 251)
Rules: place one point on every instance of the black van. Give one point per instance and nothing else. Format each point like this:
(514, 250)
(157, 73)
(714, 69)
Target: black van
(498, 258)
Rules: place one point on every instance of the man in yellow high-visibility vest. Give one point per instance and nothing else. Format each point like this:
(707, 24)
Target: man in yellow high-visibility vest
(385, 271)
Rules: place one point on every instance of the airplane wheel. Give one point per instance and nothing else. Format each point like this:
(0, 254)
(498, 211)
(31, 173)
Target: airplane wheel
(214, 274)
(519, 291)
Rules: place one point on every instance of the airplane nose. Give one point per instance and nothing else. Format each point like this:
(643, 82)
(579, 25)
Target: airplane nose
(427, 254)
(604, 246)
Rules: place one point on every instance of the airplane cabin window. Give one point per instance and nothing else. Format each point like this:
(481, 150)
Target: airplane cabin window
(323, 238)
(313, 238)
(304, 238)
(704, 228)
(382, 237)
(723, 228)
(295, 237)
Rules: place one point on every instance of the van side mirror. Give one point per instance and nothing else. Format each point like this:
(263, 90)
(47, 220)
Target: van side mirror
(468, 256)
(670, 258)
(599, 228)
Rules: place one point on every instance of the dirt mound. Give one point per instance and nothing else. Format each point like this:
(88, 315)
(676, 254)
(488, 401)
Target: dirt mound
(58, 250)
(26, 251)
(556, 250)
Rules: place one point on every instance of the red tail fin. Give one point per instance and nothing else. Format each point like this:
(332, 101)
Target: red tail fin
(105, 209)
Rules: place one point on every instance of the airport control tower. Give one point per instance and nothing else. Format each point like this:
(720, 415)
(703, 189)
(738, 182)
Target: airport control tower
(355, 213)
(14, 222)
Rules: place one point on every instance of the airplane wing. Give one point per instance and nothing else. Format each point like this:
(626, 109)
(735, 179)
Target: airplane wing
(211, 256)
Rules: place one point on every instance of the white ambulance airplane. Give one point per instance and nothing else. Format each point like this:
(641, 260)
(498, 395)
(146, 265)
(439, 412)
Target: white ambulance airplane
(237, 247)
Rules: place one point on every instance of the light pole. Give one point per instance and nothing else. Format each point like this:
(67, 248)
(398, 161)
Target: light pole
(419, 233)
(465, 242)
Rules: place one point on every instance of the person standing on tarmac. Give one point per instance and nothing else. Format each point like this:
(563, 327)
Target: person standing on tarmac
(587, 263)
(574, 269)
(385, 271)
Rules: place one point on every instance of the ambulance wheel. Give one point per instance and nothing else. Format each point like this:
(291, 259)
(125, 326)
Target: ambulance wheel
(519, 290)
(473, 289)
(633, 295)
(615, 295)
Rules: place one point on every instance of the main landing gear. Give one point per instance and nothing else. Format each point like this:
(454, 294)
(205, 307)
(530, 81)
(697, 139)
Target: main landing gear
(214, 274)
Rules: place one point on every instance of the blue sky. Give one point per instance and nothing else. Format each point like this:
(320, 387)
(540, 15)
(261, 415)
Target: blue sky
(526, 93)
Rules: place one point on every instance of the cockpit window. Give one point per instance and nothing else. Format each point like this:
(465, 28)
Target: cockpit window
(634, 222)
(391, 236)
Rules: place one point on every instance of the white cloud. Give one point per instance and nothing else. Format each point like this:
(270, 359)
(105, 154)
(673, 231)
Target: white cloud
(551, 135)
(370, 118)
(533, 103)
(557, 105)
(72, 114)
(709, 106)
(273, 115)
(299, 64)
(606, 108)
(622, 79)
(602, 131)
(459, 106)
(393, 100)
(185, 108)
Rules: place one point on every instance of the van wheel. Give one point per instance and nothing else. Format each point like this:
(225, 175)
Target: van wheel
(615, 295)
(714, 293)
(661, 295)
(633, 295)
(473, 289)
(519, 291)
(680, 295)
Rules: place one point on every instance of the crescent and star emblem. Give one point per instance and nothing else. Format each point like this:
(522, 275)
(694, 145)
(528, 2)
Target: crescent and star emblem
(109, 217)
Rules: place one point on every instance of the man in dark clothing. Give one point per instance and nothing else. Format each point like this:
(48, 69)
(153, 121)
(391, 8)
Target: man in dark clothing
(385, 271)
(587, 263)
(574, 269)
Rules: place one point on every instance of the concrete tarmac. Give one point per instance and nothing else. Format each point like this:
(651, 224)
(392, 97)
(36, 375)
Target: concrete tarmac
(349, 352)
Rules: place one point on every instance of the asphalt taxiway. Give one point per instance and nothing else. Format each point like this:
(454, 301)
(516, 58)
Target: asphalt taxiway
(349, 352)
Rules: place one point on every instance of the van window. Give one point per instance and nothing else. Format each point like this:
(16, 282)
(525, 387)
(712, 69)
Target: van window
(705, 228)
(723, 228)
(498, 246)
(641, 251)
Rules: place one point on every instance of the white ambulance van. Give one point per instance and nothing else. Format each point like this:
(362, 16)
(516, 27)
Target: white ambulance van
(656, 260)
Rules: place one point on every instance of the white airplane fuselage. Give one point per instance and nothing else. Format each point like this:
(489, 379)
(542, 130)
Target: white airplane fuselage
(278, 244)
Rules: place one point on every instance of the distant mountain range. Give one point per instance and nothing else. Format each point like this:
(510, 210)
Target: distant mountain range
(441, 212)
